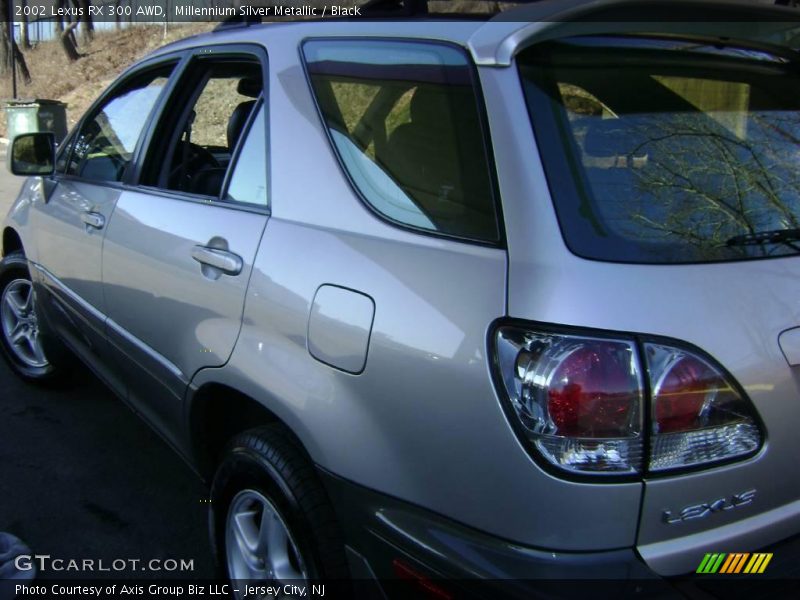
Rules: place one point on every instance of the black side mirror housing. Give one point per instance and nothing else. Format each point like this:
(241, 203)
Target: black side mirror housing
(32, 154)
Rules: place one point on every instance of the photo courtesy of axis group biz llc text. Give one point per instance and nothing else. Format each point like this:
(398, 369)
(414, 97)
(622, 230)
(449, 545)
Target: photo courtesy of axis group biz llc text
(399, 299)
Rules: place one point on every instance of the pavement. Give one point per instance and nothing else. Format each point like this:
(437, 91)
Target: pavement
(81, 477)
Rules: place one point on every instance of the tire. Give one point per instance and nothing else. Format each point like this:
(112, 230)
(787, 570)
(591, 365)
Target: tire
(28, 350)
(270, 517)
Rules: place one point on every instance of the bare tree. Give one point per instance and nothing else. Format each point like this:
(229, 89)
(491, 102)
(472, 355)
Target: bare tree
(24, 34)
(87, 28)
(714, 183)
(9, 48)
(66, 34)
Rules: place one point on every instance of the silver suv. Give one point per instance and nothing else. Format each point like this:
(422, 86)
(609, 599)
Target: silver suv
(512, 299)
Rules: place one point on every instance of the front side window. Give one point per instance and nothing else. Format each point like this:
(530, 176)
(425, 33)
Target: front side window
(104, 146)
(63, 151)
(663, 151)
(405, 122)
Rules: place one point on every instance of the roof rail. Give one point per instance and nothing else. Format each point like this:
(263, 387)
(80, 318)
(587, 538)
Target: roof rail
(410, 8)
(395, 8)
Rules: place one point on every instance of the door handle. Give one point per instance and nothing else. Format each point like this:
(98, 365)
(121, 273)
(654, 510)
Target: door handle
(225, 261)
(93, 219)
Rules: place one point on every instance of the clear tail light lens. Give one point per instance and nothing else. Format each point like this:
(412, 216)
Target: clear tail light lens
(579, 401)
(698, 415)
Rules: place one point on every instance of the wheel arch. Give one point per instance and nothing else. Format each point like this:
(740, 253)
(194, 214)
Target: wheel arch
(11, 241)
(217, 413)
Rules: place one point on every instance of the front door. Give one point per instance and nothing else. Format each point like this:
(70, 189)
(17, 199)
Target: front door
(179, 248)
(79, 202)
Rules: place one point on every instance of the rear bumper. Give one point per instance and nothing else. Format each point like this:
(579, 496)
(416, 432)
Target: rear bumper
(397, 549)
(382, 531)
(683, 554)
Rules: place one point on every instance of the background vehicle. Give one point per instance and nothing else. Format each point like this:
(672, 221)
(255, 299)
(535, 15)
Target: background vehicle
(503, 300)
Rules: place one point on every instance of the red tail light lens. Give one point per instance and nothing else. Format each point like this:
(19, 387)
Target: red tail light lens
(699, 417)
(580, 403)
(590, 391)
(682, 392)
(578, 398)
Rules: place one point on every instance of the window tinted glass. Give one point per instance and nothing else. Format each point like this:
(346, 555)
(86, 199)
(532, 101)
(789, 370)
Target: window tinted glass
(202, 126)
(249, 179)
(63, 151)
(404, 119)
(668, 159)
(105, 143)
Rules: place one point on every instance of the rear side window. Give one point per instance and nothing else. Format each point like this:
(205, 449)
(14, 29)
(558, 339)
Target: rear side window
(663, 151)
(405, 123)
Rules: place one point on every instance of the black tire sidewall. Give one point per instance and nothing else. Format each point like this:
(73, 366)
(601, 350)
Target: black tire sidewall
(246, 468)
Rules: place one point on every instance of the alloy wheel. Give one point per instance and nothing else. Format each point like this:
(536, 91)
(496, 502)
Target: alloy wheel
(20, 325)
(260, 546)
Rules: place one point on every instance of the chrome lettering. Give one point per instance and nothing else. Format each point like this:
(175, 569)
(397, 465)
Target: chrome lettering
(700, 511)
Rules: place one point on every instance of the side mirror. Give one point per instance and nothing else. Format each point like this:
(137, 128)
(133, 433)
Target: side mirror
(32, 154)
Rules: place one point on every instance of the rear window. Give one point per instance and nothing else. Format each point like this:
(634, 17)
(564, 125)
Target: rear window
(667, 151)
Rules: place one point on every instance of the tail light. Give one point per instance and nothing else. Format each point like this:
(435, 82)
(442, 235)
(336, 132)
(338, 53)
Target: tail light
(698, 415)
(580, 401)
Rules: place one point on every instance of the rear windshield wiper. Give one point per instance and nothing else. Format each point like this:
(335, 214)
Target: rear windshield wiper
(760, 238)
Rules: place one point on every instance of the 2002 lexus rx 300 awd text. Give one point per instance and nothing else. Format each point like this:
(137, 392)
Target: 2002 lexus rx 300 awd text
(496, 299)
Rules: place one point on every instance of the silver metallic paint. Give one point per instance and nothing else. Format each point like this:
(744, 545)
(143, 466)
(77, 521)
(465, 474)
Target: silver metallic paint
(168, 312)
(423, 422)
(733, 311)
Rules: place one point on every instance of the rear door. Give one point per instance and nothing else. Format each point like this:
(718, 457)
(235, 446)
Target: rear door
(91, 172)
(180, 246)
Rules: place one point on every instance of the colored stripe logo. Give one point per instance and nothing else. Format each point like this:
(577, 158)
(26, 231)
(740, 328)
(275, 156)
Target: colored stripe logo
(734, 563)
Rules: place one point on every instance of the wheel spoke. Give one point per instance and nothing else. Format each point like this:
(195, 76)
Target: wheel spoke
(27, 301)
(245, 531)
(278, 548)
(16, 305)
(271, 532)
(18, 333)
(36, 347)
(260, 546)
(282, 569)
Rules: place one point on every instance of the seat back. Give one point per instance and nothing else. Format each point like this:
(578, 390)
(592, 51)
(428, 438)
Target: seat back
(422, 153)
(237, 121)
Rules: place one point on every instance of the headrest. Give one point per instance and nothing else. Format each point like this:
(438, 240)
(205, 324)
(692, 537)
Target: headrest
(610, 137)
(237, 120)
(249, 86)
(429, 107)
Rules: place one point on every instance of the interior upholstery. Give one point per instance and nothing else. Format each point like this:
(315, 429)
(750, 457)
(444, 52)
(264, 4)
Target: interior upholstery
(421, 153)
(237, 121)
